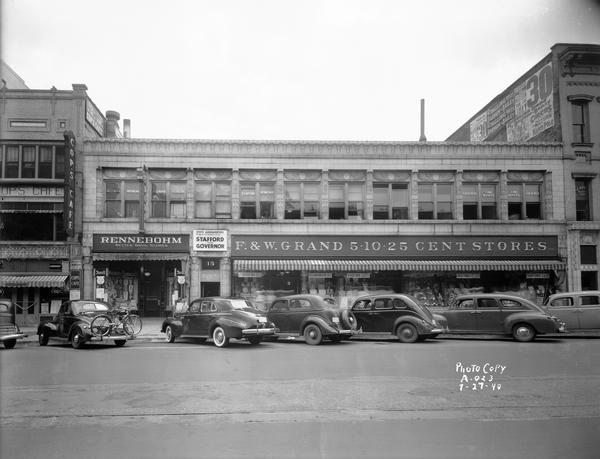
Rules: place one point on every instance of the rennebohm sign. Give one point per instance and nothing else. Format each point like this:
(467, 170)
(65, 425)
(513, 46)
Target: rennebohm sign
(141, 243)
(409, 247)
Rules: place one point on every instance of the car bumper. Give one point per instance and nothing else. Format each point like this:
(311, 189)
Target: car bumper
(347, 332)
(13, 336)
(437, 331)
(258, 331)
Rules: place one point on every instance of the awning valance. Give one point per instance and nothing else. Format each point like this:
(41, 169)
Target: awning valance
(139, 256)
(397, 265)
(28, 280)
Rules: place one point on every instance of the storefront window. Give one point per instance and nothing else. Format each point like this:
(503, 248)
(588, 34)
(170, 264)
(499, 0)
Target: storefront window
(257, 200)
(122, 198)
(390, 201)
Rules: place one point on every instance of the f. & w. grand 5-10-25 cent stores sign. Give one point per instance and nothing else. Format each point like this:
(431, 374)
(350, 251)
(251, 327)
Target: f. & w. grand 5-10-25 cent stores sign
(486, 247)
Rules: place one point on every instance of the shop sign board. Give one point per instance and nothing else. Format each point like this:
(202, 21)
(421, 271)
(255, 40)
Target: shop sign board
(396, 247)
(69, 190)
(141, 243)
(209, 240)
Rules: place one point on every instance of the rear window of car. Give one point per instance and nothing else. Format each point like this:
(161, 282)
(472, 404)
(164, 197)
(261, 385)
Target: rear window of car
(564, 301)
(362, 305)
(590, 300)
(512, 305)
(465, 304)
(279, 306)
(383, 303)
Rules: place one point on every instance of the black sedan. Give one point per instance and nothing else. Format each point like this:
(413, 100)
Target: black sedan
(401, 315)
(313, 317)
(500, 314)
(9, 330)
(220, 319)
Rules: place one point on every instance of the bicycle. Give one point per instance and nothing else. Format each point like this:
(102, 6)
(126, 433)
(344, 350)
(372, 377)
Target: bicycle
(104, 324)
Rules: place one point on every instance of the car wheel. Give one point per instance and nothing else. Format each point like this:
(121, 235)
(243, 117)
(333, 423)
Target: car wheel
(10, 343)
(254, 340)
(77, 339)
(523, 333)
(407, 333)
(120, 342)
(43, 338)
(169, 335)
(220, 338)
(349, 319)
(313, 335)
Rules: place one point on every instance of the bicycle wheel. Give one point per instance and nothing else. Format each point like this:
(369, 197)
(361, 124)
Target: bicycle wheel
(101, 326)
(132, 324)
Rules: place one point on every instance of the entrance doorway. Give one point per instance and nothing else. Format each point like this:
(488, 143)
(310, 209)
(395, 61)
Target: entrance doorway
(210, 289)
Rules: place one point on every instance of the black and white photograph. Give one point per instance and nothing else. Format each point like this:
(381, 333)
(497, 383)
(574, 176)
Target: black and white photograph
(322, 229)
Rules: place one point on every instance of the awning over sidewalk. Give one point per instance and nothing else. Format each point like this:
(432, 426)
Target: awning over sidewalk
(29, 280)
(397, 265)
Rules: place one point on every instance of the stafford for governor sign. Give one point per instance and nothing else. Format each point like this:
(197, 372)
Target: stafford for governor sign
(408, 247)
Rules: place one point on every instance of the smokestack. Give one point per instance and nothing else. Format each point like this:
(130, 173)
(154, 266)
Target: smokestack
(112, 124)
(422, 138)
(126, 128)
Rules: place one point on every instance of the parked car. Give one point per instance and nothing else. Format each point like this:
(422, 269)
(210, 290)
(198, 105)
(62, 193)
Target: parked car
(500, 314)
(401, 315)
(220, 319)
(9, 330)
(313, 317)
(73, 324)
(578, 310)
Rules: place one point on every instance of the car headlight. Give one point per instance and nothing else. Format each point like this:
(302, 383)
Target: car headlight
(335, 320)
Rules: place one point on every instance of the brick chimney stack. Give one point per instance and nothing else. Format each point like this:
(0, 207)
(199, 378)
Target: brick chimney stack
(112, 124)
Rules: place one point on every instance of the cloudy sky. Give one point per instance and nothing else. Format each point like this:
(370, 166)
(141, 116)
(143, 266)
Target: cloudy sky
(288, 70)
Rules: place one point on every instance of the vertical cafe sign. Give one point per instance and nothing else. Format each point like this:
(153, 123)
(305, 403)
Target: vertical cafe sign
(69, 207)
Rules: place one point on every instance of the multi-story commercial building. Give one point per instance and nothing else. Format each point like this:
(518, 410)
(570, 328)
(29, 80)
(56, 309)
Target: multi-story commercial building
(169, 220)
(40, 203)
(558, 99)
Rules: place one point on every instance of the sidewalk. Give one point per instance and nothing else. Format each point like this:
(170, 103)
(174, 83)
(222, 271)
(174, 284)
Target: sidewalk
(150, 331)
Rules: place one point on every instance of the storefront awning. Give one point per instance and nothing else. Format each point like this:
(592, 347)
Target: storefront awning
(27, 280)
(397, 265)
(139, 256)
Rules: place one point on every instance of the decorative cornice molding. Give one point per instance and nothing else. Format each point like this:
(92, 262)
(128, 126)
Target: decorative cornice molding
(583, 83)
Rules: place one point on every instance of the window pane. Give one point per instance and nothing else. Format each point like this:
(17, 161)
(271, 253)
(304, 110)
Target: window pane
(488, 211)
(60, 162)
(132, 208)
(336, 193)
(223, 208)
(532, 193)
(159, 191)
(444, 192)
(248, 192)
(113, 190)
(588, 254)
(132, 191)
(177, 191)
(113, 209)
(28, 166)
(515, 192)
(470, 211)
(45, 165)
(203, 191)
(12, 162)
(159, 209)
(444, 210)
(425, 210)
(178, 209)
(203, 210)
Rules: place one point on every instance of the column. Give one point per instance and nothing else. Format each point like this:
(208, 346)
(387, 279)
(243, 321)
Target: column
(369, 195)
(195, 291)
(89, 283)
(226, 287)
(414, 195)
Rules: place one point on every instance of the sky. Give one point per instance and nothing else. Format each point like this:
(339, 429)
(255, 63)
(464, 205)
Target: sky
(347, 70)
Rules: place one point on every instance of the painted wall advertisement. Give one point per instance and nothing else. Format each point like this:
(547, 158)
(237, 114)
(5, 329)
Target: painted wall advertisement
(525, 111)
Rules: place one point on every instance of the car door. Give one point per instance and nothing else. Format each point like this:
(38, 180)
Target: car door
(208, 310)
(565, 309)
(189, 318)
(462, 316)
(589, 315)
(65, 318)
(490, 317)
(278, 315)
(299, 309)
(383, 315)
(362, 310)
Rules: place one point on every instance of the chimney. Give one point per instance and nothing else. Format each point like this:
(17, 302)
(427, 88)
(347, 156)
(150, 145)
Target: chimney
(112, 124)
(126, 128)
(422, 138)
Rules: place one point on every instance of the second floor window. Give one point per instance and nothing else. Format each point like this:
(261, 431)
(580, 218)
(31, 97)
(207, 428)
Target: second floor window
(582, 199)
(122, 198)
(32, 161)
(28, 162)
(302, 200)
(524, 201)
(435, 201)
(168, 199)
(257, 200)
(479, 201)
(213, 199)
(390, 201)
(581, 131)
(12, 162)
(346, 201)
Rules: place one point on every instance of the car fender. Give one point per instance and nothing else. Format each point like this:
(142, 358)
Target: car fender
(49, 327)
(82, 325)
(232, 327)
(325, 327)
(176, 326)
(411, 320)
(540, 323)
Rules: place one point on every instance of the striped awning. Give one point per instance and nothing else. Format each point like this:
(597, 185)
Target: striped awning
(397, 265)
(139, 256)
(29, 280)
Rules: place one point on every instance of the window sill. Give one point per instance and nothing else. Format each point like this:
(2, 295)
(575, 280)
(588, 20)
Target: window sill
(582, 144)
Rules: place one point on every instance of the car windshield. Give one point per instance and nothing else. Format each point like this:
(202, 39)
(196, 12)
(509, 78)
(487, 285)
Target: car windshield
(420, 308)
(89, 306)
(241, 304)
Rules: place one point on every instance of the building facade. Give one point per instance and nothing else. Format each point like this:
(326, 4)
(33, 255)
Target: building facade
(169, 221)
(558, 100)
(41, 132)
